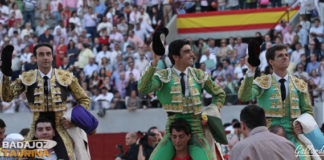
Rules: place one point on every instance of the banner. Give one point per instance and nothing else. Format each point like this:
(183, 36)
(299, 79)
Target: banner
(236, 20)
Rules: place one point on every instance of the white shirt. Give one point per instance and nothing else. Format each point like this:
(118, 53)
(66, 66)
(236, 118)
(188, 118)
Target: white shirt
(263, 60)
(286, 82)
(295, 55)
(185, 79)
(49, 75)
(106, 100)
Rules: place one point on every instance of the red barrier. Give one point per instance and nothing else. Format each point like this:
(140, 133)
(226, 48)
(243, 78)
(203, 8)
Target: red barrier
(103, 146)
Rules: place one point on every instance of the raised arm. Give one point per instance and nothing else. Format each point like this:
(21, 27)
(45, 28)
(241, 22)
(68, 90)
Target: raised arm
(11, 90)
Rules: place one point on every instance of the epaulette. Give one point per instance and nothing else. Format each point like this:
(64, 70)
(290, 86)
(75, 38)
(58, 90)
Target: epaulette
(264, 81)
(300, 84)
(63, 77)
(28, 78)
(164, 75)
(199, 76)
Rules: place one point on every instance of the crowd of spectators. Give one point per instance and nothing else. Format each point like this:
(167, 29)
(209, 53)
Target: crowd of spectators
(106, 46)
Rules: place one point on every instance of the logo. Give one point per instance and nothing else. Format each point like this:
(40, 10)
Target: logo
(31, 148)
(308, 151)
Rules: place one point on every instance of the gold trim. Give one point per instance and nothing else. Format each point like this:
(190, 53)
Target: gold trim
(28, 78)
(264, 81)
(300, 84)
(63, 77)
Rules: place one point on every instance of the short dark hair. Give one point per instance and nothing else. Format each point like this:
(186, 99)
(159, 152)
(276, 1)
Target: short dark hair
(270, 54)
(24, 132)
(180, 124)
(44, 120)
(151, 128)
(2, 123)
(275, 129)
(253, 116)
(175, 47)
(42, 45)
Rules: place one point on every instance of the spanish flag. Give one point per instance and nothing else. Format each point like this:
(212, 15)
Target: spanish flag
(237, 20)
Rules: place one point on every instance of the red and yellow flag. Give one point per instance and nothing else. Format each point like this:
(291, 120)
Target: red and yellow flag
(237, 20)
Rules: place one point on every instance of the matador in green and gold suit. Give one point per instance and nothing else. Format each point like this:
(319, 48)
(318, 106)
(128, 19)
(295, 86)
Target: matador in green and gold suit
(266, 90)
(52, 105)
(167, 85)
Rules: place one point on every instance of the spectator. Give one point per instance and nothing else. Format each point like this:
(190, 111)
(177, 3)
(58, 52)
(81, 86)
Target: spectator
(46, 37)
(41, 28)
(223, 50)
(300, 73)
(118, 102)
(133, 102)
(104, 25)
(90, 22)
(24, 132)
(218, 72)
(131, 84)
(121, 84)
(209, 59)
(141, 63)
(140, 32)
(13, 29)
(276, 3)
(132, 70)
(106, 64)
(84, 56)
(103, 38)
(315, 77)
(132, 152)
(148, 143)
(233, 4)
(133, 16)
(221, 5)
(313, 64)
(103, 101)
(104, 53)
(32, 65)
(302, 34)
(228, 67)
(295, 55)
(27, 30)
(99, 8)
(115, 36)
(230, 89)
(56, 8)
(29, 11)
(263, 58)
(91, 67)
(72, 4)
(253, 124)
(16, 66)
(75, 21)
(72, 52)
(238, 71)
(65, 65)
(66, 15)
(61, 49)
(135, 39)
(311, 49)
(241, 47)
(122, 26)
(317, 30)
(213, 49)
(289, 36)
